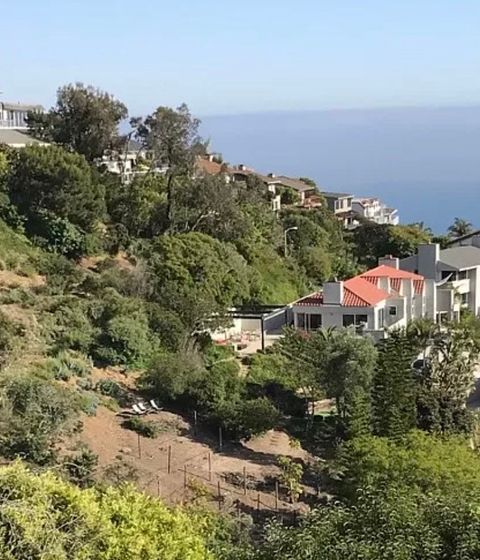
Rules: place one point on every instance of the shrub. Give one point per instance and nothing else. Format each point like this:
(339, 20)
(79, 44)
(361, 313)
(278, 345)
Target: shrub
(89, 403)
(125, 337)
(171, 375)
(8, 331)
(70, 364)
(246, 419)
(80, 468)
(35, 412)
(112, 389)
(143, 427)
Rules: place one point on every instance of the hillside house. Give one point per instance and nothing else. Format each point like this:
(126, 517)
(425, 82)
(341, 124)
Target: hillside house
(456, 272)
(13, 125)
(14, 115)
(379, 300)
(341, 205)
(375, 210)
(470, 239)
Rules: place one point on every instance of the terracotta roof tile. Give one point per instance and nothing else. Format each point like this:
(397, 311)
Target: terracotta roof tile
(396, 276)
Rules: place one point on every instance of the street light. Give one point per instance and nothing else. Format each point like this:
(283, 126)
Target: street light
(285, 239)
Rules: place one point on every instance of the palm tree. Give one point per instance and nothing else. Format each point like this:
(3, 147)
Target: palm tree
(459, 228)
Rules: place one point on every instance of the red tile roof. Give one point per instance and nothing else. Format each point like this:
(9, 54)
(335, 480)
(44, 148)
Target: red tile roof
(357, 292)
(396, 276)
(363, 290)
(208, 167)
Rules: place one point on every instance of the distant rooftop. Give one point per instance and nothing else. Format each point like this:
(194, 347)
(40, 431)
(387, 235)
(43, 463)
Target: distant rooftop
(328, 194)
(17, 139)
(461, 257)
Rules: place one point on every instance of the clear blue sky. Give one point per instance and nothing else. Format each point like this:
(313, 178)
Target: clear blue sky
(242, 56)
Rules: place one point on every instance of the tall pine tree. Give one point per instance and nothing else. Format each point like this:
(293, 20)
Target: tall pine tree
(394, 410)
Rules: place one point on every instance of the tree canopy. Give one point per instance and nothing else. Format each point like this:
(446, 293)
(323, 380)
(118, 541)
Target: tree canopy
(84, 120)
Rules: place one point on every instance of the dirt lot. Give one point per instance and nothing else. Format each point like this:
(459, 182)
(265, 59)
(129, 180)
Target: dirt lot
(197, 466)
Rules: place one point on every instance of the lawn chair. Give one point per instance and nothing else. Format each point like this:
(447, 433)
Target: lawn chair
(155, 405)
(138, 410)
(141, 406)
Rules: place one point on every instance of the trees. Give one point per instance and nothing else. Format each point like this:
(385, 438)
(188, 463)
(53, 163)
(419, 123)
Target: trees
(45, 517)
(34, 413)
(383, 524)
(48, 184)
(420, 461)
(84, 120)
(198, 277)
(171, 136)
(459, 228)
(394, 388)
(372, 241)
(338, 364)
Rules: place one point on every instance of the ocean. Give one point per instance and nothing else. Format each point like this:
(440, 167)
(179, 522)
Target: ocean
(423, 161)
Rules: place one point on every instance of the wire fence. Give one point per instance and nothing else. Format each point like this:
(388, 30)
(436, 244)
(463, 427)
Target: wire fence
(198, 479)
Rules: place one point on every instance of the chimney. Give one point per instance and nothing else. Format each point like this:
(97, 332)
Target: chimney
(210, 157)
(271, 175)
(428, 257)
(333, 293)
(389, 260)
(242, 167)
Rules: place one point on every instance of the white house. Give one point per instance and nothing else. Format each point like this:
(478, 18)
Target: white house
(374, 210)
(375, 302)
(13, 125)
(456, 272)
(14, 115)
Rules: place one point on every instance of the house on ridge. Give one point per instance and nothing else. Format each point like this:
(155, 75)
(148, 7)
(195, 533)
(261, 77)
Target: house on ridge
(379, 300)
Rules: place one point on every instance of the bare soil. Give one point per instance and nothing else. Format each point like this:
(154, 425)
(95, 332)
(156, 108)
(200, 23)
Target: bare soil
(197, 465)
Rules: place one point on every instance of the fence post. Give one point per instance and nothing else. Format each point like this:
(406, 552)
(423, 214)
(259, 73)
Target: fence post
(244, 481)
(209, 467)
(219, 491)
(195, 422)
(276, 495)
(184, 476)
(139, 447)
(169, 459)
(220, 438)
(158, 485)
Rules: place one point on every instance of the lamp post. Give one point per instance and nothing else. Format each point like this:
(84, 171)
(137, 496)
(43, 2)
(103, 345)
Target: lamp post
(285, 239)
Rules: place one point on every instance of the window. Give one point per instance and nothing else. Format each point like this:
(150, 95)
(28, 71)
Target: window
(464, 299)
(315, 321)
(447, 273)
(357, 320)
(392, 310)
(462, 275)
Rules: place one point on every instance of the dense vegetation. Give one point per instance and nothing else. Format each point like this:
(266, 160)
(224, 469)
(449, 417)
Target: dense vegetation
(99, 270)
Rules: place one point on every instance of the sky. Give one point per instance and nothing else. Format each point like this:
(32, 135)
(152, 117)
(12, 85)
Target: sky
(224, 57)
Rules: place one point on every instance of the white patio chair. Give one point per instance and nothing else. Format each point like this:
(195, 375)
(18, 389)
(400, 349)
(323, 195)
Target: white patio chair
(138, 410)
(155, 405)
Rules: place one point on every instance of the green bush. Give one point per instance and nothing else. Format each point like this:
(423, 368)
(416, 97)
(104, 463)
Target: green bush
(8, 331)
(247, 419)
(69, 364)
(89, 403)
(70, 327)
(80, 468)
(143, 427)
(124, 335)
(110, 388)
(35, 412)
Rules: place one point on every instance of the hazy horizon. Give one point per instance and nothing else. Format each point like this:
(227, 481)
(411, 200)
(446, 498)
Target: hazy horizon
(423, 160)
